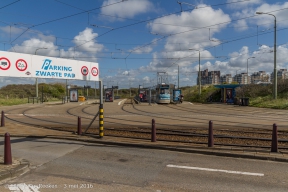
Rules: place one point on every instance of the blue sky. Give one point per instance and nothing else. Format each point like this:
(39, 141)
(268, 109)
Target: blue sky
(132, 40)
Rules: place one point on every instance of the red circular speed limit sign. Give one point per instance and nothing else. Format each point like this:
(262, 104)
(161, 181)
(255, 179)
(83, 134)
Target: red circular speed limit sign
(4, 63)
(94, 71)
(21, 65)
(84, 70)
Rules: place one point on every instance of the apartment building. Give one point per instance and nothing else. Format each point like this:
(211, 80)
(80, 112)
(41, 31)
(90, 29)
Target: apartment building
(242, 78)
(260, 76)
(209, 77)
(281, 74)
(226, 79)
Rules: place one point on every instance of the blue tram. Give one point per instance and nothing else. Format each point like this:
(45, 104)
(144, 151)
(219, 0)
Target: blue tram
(163, 93)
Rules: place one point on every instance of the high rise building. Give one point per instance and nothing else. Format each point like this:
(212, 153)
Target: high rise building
(209, 77)
(281, 74)
(242, 78)
(226, 79)
(260, 76)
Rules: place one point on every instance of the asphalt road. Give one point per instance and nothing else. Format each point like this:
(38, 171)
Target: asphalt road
(58, 165)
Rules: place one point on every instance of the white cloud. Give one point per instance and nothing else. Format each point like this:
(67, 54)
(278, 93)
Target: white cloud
(146, 79)
(141, 50)
(11, 29)
(51, 49)
(244, 4)
(32, 46)
(263, 61)
(264, 19)
(144, 49)
(86, 41)
(281, 16)
(127, 9)
(177, 46)
(11, 32)
(125, 73)
(241, 25)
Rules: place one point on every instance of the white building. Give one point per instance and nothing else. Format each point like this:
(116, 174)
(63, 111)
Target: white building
(242, 78)
(226, 79)
(281, 74)
(260, 76)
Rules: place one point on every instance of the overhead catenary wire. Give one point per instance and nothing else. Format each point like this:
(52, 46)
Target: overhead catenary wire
(197, 29)
(240, 38)
(145, 21)
(9, 4)
(207, 48)
(98, 36)
(65, 18)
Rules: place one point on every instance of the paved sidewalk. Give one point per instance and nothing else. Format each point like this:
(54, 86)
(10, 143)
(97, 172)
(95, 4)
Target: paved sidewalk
(20, 166)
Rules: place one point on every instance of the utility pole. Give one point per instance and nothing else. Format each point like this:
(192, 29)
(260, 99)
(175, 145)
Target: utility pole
(36, 82)
(178, 77)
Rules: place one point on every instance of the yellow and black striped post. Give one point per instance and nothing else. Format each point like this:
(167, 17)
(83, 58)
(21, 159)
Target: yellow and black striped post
(101, 121)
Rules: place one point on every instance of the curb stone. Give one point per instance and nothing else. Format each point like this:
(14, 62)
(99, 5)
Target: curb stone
(204, 151)
(21, 168)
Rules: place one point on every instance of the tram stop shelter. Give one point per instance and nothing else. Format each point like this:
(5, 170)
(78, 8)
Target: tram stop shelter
(228, 92)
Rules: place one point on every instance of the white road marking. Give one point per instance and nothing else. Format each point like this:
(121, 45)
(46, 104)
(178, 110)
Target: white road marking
(216, 170)
(119, 103)
(23, 187)
(191, 103)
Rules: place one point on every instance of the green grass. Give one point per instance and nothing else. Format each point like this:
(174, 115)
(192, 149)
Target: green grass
(268, 102)
(192, 93)
(9, 102)
(259, 96)
(15, 101)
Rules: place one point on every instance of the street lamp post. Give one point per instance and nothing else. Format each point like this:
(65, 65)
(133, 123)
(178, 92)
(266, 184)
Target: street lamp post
(178, 78)
(117, 88)
(275, 67)
(247, 63)
(237, 70)
(247, 70)
(36, 82)
(199, 74)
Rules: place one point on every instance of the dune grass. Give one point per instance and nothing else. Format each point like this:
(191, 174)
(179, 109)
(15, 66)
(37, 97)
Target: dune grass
(9, 102)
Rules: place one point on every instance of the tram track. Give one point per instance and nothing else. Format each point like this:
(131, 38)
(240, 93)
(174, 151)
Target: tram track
(37, 122)
(183, 118)
(221, 123)
(247, 115)
(131, 128)
(240, 134)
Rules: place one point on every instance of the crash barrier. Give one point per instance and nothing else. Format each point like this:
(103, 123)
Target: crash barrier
(274, 144)
(210, 135)
(2, 119)
(7, 150)
(153, 131)
(79, 128)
